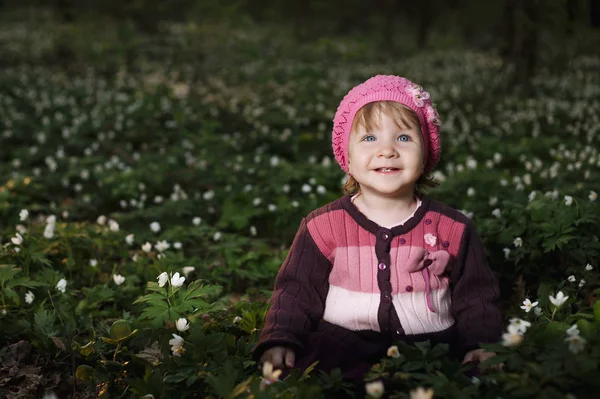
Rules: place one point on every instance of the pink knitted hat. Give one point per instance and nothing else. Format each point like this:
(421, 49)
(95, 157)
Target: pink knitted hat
(387, 88)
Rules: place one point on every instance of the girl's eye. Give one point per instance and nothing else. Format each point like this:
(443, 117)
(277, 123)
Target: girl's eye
(368, 138)
(404, 137)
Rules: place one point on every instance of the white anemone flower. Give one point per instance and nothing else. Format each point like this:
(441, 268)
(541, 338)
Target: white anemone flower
(422, 393)
(61, 285)
(162, 246)
(177, 280)
(187, 270)
(182, 325)
(147, 247)
(129, 239)
(118, 279)
(17, 239)
(576, 343)
(113, 225)
(559, 299)
(393, 351)
(177, 345)
(527, 305)
(162, 279)
(23, 215)
(29, 297)
(519, 325)
(375, 389)
(518, 242)
(588, 267)
(155, 227)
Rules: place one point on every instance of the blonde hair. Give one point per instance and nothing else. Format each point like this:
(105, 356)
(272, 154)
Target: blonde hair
(404, 117)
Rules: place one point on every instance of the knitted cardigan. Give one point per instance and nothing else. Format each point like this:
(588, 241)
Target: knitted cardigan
(419, 279)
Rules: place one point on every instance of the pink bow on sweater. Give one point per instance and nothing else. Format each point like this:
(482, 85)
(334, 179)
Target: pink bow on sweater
(435, 262)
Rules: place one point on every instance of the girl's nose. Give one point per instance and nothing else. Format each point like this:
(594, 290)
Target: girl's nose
(387, 151)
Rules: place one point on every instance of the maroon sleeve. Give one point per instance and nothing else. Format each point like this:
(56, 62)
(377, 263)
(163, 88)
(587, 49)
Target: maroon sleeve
(298, 299)
(475, 295)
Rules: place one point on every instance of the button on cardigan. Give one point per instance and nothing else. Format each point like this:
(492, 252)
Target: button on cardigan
(418, 280)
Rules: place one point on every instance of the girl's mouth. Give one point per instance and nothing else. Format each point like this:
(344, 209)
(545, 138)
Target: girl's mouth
(386, 170)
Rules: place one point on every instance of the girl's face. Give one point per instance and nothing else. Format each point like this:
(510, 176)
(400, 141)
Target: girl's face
(386, 161)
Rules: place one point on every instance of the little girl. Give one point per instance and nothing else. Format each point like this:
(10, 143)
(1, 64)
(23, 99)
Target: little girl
(384, 262)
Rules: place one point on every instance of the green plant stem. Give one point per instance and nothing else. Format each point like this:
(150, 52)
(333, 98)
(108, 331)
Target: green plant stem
(56, 310)
(116, 351)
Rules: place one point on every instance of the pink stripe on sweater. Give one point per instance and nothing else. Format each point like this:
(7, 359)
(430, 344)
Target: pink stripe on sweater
(355, 269)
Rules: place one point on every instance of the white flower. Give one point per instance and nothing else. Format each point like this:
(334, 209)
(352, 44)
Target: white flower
(573, 330)
(576, 343)
(559, 300)
(571, 278)
(532, 196)
(496, 212)
(527, 305)
(23, 215)
(177, 345)
(272, 207)
(237, 319)
(374, 389)
(177, 245)
(113, 225)
(430, 239)
(21, 229)
(217, 236)
(588, 267)
(253, 231)
(176, 280)
(129, 239)
(162, 246)
(511, 338)
(51, 219)
(538, 311)
(155, 227)
(306, 188)
(268, 373)
(506, 252)
(568, 200)
(61, 285)
(321, 189)
(187, 270)
(182, 325)
(470, 192)
(393, 351)
(162, 279)
(196, 221)
(29, 297)
(593, 196)
(518, 325)
(118, 279)
(256, 201)
(421, 393)
(518, 242)
(581, 283)
(49, 231)
(147, 247)
(93, 262)
(101, 220)
(17, 239)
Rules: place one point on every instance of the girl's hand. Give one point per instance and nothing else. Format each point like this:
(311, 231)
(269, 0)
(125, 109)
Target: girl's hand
(279, 356)
(479, 355)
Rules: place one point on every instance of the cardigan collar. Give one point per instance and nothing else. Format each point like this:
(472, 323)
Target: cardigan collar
(371, 226)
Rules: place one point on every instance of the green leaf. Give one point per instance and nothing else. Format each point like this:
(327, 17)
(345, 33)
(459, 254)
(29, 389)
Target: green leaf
(7, 272)
(25, 282)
